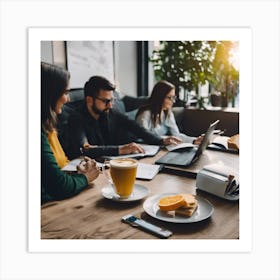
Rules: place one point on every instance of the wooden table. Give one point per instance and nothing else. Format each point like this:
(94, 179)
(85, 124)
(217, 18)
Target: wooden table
(90, 216)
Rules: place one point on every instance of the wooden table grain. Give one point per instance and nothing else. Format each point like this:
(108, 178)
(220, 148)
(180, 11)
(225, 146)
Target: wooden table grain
(90, 216)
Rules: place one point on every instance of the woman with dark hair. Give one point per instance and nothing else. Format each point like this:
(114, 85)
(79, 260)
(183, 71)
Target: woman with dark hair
(55, 183)
(157, 116)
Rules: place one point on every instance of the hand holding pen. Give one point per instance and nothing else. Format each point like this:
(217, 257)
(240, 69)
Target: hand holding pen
(89, 168)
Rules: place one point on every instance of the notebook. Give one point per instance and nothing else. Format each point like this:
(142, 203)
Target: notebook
(187, 156)
(225, 144)
(150, 151)
(72, 165)
(146, 171)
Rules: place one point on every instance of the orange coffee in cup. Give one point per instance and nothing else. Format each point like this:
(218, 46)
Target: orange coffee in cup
(123, 173)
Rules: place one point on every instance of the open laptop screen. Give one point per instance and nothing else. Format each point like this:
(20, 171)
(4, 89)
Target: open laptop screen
(206, 139)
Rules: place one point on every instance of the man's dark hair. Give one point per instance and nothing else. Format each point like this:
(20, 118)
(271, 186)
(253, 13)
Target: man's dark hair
(95, 84)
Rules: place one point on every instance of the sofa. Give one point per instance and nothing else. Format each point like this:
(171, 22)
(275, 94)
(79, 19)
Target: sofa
(194, 122)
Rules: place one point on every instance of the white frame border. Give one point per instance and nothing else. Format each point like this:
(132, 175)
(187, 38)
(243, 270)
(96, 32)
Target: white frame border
(36, 35)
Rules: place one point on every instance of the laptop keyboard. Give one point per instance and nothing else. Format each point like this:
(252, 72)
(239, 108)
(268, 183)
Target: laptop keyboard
(176, 158)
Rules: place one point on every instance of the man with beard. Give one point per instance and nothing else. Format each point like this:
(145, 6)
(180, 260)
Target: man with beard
(99, 130)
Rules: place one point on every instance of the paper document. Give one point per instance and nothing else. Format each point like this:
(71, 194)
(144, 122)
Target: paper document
(221, 141)
(225, 144)
(147, 171)
(179, 146)
(72, 165)
(150, 151)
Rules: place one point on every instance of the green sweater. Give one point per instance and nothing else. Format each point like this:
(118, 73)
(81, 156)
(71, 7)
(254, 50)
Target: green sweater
(56, 184)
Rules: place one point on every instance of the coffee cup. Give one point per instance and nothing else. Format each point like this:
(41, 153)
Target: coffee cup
(122, 175)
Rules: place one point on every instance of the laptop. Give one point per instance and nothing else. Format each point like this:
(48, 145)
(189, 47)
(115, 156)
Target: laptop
(186, 157)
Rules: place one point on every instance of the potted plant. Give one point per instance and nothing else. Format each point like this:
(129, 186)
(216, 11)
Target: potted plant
(225, 77)
(186, 64)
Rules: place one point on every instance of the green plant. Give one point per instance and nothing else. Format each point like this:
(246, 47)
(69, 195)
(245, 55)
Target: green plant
(201, 101)
(189, 64)
(225, 77)
(186, 64)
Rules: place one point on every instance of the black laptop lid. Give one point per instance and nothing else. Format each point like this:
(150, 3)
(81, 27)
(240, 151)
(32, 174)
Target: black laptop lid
(207, 138)
(186, 158)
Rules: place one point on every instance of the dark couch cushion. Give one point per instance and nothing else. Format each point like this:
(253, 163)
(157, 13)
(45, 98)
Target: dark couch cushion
(118, 103)
(133, 103)
(196, 121)
(77, 95)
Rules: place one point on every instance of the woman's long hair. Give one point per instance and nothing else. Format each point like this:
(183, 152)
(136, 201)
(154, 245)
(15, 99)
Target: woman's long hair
(159, 93)
(54, 81)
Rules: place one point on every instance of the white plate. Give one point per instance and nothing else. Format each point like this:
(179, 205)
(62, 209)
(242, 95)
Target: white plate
(203, 211)
(139, 192)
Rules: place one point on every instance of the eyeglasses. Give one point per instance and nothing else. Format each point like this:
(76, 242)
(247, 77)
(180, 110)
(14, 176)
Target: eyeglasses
(106, 101)
(172, 98)
(67, 91)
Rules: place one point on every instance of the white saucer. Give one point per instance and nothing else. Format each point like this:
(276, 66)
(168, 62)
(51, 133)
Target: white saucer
(139, 192)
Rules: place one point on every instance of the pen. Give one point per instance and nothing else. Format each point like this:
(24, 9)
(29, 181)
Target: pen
(83, 160)
(219, 132)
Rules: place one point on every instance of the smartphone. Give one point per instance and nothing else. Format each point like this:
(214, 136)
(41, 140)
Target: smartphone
(136, 222)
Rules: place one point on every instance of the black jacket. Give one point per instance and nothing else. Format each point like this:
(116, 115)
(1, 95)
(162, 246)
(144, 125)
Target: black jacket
(108, 132)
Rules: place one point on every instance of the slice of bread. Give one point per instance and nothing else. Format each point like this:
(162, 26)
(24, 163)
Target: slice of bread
(183, 204)
(233, 142)
(190, 200)
(186, 211)
(189, 207)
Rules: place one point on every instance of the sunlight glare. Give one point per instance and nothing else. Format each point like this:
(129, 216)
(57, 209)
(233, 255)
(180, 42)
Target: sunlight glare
(234, 55)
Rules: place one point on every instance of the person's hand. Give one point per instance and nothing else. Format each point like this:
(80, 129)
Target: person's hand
(171, 140)
(131, 148)
(89, 168)
(198, 140)
(87, 146)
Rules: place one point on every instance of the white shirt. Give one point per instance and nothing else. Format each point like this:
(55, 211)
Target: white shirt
(167, 126)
